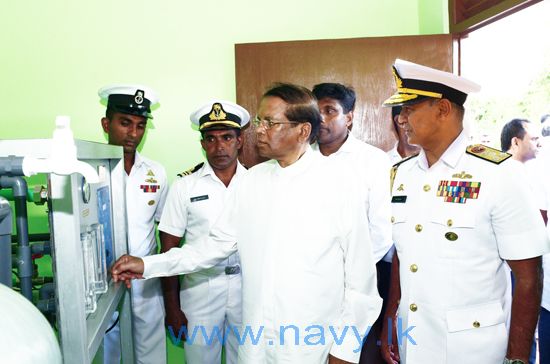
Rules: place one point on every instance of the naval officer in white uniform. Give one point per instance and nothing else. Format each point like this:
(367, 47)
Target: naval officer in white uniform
(460, 213)
(211, 298)
(145, 187)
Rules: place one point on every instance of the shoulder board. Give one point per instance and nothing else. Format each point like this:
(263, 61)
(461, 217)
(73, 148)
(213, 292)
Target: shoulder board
(405, 159)
(487, 153)
(191, 170)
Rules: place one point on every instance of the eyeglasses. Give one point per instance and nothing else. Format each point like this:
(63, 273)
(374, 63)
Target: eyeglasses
(268, 124)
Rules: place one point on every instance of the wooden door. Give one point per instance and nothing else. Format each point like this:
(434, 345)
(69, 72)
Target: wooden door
(363, 63)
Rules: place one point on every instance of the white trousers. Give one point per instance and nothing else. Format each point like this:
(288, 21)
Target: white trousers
(211, 302)
(147, 326)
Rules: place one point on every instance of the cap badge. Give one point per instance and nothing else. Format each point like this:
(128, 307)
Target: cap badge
(217, 113)
(138, 98)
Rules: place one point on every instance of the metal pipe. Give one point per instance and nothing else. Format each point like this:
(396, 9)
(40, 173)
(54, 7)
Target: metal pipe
(5, 242)
(24, 263)
(37, 194)
(46, 291)
(11, 166)
(46, 306)
(40, 248)
(34, 237)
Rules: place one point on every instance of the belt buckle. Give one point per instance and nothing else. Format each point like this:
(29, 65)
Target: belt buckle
(235, 269)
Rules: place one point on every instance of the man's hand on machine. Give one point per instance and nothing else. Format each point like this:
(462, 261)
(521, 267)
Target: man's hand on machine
(127, 268)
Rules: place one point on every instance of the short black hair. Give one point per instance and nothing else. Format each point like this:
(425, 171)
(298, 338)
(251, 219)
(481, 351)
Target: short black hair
(109, 113)
(512, 129)
(302, 105)
(396, 110)
(345, 95)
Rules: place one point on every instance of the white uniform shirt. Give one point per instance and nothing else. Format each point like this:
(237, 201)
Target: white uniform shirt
(393, 154)
(371, 166)
(452, 269)
(194, 204)
(395, 157)
(146, 190)
(541, 181)
(304, 257)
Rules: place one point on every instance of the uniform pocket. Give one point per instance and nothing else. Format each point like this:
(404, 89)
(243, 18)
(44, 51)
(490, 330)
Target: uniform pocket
(454, 233)
(476, 334)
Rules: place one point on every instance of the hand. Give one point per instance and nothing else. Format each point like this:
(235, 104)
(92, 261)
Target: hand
(176, 319)
(127, 268)
(335, 360)
(390, 353)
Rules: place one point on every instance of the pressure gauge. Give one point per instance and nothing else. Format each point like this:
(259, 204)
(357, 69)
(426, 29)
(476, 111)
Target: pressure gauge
(86, 190)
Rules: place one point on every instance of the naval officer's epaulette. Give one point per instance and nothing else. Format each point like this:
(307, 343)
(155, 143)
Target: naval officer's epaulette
(191, 170)
(487, 153)
(393, 170)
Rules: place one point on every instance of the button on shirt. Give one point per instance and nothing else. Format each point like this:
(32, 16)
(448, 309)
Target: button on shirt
(371, 166)
(194, 204)
(146, 191)
(459, 286)
(303, 255)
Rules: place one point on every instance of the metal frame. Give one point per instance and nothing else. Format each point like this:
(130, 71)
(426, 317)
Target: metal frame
(81, 335)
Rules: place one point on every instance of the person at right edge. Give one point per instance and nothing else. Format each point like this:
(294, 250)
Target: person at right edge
(461, 213)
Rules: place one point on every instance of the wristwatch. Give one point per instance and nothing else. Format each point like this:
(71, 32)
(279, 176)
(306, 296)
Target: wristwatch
(513, 361)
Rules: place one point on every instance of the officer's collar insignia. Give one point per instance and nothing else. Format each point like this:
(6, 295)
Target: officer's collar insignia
(458, 191)
(487, 153)
(401, 187)
(151, 180)
(217, 112)
(462, 175)
(150, 173)
(139, 97)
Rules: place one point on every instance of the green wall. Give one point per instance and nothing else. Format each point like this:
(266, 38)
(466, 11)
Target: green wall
(56, 54)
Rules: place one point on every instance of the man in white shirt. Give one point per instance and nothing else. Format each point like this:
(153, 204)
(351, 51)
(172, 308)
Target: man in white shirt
(370, 166)
(209, 299)
(145, 187)
(460, 213)
(519, 138)
(544, 320)
(309, 284)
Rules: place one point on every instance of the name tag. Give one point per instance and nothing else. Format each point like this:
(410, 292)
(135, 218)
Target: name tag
(199, 198)
(399, 199)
